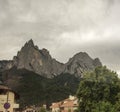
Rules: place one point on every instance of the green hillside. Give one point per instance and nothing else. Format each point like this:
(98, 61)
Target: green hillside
(36, 90)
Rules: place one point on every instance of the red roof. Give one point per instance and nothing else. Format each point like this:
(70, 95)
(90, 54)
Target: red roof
(65, 103)
(69, 104)
(56, 105)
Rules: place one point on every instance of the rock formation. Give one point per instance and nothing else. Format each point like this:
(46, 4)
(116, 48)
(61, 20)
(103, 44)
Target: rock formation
(5, 65)
(80, 63)
(41, 62)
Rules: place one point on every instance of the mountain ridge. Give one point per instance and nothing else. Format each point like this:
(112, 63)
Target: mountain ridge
(31, 58)
(50, 81)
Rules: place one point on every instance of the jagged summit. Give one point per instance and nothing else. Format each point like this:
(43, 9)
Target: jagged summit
(80, 56)
(80, 63)
(31, 58)
(29, 43)
(45, 52)
(39, 61)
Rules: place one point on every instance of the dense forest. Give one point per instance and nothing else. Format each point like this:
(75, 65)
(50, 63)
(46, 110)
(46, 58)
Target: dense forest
(37, 90)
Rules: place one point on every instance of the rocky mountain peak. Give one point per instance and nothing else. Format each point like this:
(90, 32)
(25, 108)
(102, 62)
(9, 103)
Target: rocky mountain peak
(80, 63)
(45, 51)
(80, 56)
(97, 62)
(27, 47)
(38, 61)
(31, 58)
(29, 43)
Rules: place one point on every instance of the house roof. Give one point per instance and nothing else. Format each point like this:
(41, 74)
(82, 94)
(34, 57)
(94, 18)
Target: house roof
(69, 103)
(6, 88)
(65, 103)
(56, 105)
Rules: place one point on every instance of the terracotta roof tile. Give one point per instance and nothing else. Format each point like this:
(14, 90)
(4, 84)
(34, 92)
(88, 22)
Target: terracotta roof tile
(69, 104)
(55, 105)
(65, 103)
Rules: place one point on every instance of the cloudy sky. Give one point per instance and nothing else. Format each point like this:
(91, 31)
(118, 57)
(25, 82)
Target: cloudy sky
(64, 27)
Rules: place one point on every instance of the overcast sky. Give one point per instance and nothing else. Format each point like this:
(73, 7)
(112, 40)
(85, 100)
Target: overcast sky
(64, 27)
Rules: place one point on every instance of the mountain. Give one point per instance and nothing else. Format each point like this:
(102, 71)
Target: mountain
(31, 58)
(38, 61)
(81, 63)
(5, 65)
(40, 79)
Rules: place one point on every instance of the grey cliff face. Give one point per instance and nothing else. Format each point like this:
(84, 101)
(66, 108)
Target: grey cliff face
(5, 65)
(80, 63)
(41, 62)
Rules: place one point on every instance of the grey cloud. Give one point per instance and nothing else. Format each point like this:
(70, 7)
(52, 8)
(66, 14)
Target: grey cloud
(62, 26)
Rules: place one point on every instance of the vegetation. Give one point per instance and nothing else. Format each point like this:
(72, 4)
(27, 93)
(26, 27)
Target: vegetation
(99, 91)
(36, 90)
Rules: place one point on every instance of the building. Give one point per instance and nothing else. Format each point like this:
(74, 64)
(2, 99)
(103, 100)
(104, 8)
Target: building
(33, 108)
(29, 109)
(55, 107)
(68, 105)
(8, 99)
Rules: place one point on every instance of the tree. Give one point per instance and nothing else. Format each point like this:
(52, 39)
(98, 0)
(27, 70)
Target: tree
(98, 90)
(117, 105)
